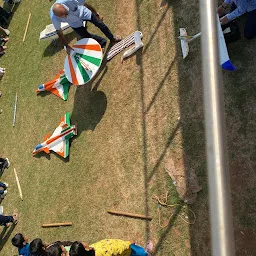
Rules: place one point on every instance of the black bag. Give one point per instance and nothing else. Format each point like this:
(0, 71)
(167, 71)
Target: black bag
(231, 32)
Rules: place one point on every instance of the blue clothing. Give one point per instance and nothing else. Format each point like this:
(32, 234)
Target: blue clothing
(243, 6)
(25, 250)
(77, 13)
(138, 250)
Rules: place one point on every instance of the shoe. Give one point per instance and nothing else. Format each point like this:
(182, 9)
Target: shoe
(6, 185)
(1, 210)
(0, 93)
(116, 39)
(8, 162)
(4, 194)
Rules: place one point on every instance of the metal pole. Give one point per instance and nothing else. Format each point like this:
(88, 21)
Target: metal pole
(217, 163)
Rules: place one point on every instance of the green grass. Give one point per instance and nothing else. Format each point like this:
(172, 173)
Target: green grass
(127, 129)
(116, 161)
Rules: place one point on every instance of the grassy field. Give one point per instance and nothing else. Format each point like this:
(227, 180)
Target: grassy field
(127, 124)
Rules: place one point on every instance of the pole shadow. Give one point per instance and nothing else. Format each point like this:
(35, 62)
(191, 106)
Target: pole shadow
(144, 109)
(5, 235)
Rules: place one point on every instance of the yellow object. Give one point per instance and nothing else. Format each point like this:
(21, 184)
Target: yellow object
(112, 247)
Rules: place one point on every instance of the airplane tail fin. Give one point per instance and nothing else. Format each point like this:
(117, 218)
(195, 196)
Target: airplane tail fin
(75, 131)
(138, 45)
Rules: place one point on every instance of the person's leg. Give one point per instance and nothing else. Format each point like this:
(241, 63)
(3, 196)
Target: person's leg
(102, 26)
(250, 25)
(2, 185)
(5, 164)
(82, 31)
(4, 220)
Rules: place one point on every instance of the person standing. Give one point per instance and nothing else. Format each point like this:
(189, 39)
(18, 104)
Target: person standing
(238, 8)
(74, 12)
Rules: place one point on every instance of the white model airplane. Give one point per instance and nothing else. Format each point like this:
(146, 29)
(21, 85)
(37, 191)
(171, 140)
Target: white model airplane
(134, 38)
(223, 52)
(50, 33)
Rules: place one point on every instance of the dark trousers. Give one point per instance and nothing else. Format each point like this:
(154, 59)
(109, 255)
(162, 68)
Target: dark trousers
(3, 164)
(250, 24)
(4, 13)
(5, 219)
(82, 31)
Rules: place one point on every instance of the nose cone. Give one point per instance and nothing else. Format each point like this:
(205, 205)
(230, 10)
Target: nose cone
(37, 149)
(40, 88)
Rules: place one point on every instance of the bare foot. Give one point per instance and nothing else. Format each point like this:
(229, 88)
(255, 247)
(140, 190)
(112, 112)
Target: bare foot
(149, 247)
(15, 216)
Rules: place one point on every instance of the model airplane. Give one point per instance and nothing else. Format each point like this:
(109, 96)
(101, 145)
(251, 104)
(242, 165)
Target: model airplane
(59, 141)
(50, 32)
(58, 86)
(83, 62)
(223, 52)
(138, 44)
(125, 43)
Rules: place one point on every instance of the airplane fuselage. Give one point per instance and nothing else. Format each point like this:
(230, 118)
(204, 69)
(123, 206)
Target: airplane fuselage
(66, 134)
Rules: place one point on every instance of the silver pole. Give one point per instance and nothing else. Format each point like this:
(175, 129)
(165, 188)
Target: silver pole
(217, 162)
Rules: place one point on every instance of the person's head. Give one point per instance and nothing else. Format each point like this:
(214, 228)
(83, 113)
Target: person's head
(37, 247)
(59, 10)
(19, 240)
(55, 249)
(81, 249)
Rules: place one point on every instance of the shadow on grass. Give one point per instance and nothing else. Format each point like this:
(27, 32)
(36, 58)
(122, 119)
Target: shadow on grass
(10, 8)
(56, 45)
(5, 235)
(239, 97)
(144, 110)
(89, 104)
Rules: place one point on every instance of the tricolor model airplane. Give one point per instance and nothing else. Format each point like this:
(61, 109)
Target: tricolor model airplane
(59, 141)
(223, 52)
(58, 86)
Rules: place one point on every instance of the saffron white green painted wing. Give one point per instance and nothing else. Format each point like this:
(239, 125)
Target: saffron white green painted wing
(84, 62)
(58, 86)
(59, 140)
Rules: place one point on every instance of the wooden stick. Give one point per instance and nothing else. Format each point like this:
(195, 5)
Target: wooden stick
(25, 33)
(18, 183)
(50, 225)
(132, 215)
(15, 110)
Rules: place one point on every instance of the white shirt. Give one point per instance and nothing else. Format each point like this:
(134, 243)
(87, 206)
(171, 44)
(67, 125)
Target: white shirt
(77, 13)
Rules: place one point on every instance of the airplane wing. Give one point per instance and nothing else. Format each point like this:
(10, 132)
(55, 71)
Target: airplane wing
(61, 148)
(223, 52)
(64, 123)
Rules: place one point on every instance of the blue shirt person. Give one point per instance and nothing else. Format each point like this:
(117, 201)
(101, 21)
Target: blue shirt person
(240, 7)
(74, 12)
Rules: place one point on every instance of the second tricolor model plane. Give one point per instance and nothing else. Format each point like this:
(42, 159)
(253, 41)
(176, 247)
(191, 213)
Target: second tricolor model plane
(59, 140)
(58, 86)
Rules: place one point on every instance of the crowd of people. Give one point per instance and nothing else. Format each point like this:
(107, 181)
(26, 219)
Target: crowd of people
(74, 12)
(106, 247)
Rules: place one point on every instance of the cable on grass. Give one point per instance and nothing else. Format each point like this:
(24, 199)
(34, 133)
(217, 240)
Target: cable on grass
(164, 204)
